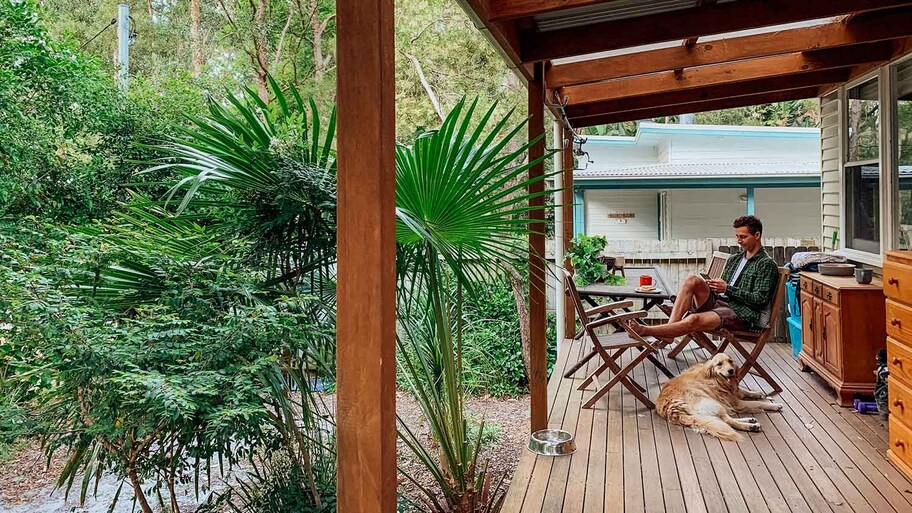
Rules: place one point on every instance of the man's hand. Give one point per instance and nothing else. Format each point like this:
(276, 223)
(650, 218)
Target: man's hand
(717, 286)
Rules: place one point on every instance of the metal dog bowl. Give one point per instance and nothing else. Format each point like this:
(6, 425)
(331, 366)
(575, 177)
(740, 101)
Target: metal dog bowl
(552, 442)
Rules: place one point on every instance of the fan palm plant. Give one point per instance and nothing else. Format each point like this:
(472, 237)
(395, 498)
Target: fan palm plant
(273, 169)
(462, 216)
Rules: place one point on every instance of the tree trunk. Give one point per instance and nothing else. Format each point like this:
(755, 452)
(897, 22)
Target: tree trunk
(196, 43)
(424, 83)
(260, 49)
(519, 294)
(137, 490)
(278, 55)
(318, 28)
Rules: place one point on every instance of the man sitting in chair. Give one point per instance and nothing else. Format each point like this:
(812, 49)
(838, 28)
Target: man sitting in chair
(739, 301)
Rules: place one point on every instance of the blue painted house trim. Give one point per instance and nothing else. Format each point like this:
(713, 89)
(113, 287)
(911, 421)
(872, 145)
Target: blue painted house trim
(715, 131)
(701, 183)
(579, 212)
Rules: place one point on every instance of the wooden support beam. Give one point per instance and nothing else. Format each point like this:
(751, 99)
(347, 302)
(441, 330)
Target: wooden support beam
(366, 291)
(566, 231)
(538, 339)
(702, 106)
(738, 72)
(502, 10)
(876, 26)
(754, 87)
(682, 24)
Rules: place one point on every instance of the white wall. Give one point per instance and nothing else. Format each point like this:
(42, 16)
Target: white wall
(599, 203)
(702, 213)
(610, 156)
(829, 172)
(699, 213)
(789, 212)
(696, 148)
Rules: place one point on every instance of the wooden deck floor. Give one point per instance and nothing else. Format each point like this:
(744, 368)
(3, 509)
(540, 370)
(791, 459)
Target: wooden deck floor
(812, 457)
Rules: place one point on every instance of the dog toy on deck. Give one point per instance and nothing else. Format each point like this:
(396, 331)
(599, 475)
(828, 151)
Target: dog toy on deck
(865, 406)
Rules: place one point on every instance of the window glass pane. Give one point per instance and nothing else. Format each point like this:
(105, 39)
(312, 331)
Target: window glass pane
(863, 122)
(863, 208)
(904, 151)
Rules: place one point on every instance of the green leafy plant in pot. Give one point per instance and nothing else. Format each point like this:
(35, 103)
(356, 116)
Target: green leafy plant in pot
(584, 255)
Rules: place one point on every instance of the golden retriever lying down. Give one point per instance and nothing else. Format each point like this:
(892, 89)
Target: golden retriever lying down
(706, 395)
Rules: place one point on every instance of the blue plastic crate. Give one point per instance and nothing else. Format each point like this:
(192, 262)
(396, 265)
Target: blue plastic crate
(794, 324)
(794, 300)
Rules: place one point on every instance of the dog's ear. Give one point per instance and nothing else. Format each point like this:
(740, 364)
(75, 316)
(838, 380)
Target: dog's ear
(709, 369)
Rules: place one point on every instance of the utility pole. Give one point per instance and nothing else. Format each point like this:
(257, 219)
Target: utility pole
(123, 44)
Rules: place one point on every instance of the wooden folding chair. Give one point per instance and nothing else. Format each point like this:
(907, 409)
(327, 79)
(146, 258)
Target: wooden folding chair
(612, 346)
(714, 270)
(737, 339)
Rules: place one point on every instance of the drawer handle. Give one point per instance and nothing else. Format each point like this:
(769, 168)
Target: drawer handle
(893, 281)
(899, 443)
(898, 403)
(897, 361)
(829, 296)
(896, 322)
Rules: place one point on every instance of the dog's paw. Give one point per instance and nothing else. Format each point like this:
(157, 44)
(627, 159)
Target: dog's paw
(775, 407)
(754, 428)
(749, 420)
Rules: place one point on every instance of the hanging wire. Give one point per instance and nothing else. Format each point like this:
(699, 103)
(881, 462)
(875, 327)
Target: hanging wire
(106, 27)
(133, 32)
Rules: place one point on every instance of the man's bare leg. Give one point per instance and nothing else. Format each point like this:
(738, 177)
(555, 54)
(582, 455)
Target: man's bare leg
(694, 292)
(704, 321)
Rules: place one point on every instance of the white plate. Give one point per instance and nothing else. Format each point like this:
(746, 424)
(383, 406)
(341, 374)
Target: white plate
(648, 291)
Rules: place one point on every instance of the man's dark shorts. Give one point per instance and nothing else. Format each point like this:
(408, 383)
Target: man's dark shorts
(730, 319)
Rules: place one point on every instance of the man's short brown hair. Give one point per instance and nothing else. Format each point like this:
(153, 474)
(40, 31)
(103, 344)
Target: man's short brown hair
(754, 226)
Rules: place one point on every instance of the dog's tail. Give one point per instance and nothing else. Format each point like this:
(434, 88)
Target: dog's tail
(715, 427)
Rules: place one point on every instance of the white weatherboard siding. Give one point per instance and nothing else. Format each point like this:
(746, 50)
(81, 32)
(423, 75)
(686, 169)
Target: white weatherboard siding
(642, 204)
(701, 213)
(789, 212)
(829, 171)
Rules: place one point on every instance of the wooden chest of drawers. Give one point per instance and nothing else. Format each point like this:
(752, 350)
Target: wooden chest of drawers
(897, 285)
(841, 331)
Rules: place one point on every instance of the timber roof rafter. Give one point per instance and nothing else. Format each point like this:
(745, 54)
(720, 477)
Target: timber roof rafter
(622, 59)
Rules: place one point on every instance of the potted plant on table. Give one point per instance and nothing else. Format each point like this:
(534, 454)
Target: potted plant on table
(585, 254)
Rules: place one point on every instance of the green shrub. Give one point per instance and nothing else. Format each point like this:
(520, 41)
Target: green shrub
(195, 369)
(67, 133)
(493, 346)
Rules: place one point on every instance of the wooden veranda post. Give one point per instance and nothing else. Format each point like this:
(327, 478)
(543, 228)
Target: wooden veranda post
(366, 317)
(566, 231)
(538, 342)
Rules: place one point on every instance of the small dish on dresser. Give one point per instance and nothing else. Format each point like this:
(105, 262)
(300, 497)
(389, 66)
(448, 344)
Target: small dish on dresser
(836, 269)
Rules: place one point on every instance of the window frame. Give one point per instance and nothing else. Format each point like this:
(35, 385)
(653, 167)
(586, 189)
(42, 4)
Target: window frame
(892, 178)
(884, 95)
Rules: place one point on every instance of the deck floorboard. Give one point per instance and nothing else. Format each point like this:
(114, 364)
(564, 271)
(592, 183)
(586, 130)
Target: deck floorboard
(813, 457)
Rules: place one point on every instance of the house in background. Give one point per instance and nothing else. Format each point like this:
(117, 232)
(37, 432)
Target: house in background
(674, 182)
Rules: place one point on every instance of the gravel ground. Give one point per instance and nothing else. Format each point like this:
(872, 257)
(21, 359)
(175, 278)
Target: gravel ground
(27, 484)
(508, 419)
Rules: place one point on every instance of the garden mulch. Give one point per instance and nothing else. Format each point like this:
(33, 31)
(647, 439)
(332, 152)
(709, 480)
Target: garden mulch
(27, 484)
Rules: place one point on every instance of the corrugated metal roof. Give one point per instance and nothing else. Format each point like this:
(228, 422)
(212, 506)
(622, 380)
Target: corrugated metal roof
(609, 11)
(705, 170)
(704, 39)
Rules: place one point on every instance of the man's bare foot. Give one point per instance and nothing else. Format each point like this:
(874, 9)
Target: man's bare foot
(646, 331)
(639, 329)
